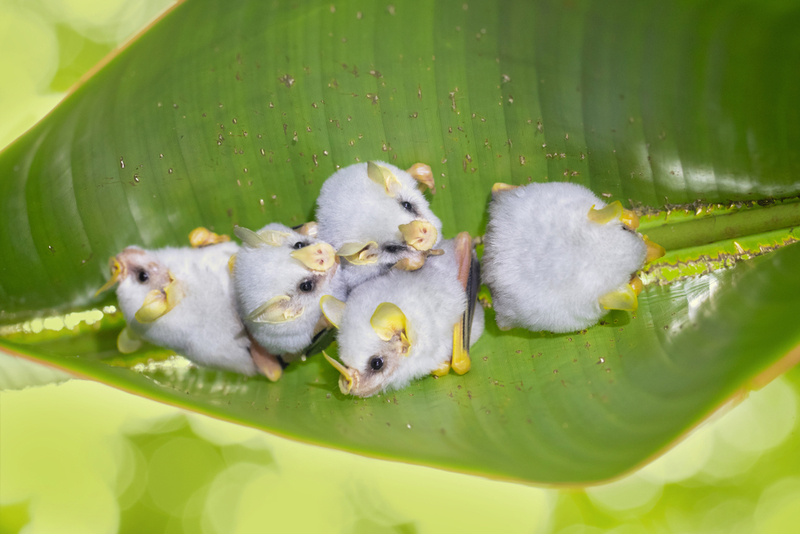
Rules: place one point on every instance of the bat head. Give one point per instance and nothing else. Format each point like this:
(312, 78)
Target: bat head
(375, 215)
(279, 275)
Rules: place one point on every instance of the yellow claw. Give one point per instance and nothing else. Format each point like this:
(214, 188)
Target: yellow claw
(333, 309)
(422, 173)
(127, 341)
(499, 187)
(275, 311)
(348, 378)
(654, 250)
(359, 253)
(621, 299)
(612, 212)
(117, 274)
(203, 237)
(383, 177)
(420, 235)
(442, 370)
(636, 284)
(318, 257)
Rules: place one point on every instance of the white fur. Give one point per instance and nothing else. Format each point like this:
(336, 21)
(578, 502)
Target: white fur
(351, 208)
(547, 264)
(432, 300)
(204, 325)
(268, 271)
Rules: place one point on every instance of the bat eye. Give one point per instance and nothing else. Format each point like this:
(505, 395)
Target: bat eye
(307, 285)
(376, 363)
(408, 206)
(299, 245)
(394, 249)
(143, 276)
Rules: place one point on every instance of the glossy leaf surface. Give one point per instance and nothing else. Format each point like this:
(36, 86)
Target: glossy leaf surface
(224, 114)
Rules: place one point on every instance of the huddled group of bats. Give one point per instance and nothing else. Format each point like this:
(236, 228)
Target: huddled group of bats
(374, 267)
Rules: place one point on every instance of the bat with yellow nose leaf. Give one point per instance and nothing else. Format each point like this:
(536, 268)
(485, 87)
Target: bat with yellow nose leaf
(376, 217)
(182, 299)
(404, 325)
(558, 258)
(279, 276)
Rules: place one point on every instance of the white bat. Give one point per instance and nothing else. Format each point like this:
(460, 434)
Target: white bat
(279, 276)
(557, 258)
(404, 325)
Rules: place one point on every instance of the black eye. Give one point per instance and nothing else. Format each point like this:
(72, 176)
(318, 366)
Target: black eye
(299, 245)
(394, 249)
(143, 276)
(307, 285)
(376, 363)
(408, 206)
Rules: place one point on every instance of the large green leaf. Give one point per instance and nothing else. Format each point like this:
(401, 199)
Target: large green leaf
(225, 114)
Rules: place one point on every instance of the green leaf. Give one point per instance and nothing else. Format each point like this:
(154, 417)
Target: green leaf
(227, 114)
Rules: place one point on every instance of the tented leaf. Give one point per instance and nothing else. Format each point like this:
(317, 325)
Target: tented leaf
(224, 114)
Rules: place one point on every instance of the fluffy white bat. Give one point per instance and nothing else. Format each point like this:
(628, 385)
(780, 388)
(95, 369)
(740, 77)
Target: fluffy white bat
(401, 326)
(557, 258)
(182, 299)
(376, 217)
(279, 276)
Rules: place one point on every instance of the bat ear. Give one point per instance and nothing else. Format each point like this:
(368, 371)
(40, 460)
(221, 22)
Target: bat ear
(203, 237)
(253, 239)
(422, 173)
(389, 321)
(117, 273)
(500, 187)
(309, 229)
(420, 235)
(275, 311)
(359, 253)
(384, 178)
(333, 309)
(159, 302)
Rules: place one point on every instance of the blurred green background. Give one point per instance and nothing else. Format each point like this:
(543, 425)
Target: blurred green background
(83, 457)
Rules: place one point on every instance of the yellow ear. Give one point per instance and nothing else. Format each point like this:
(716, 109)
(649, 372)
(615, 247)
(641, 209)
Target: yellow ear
(273, 238)
(499, 187)
(275, 311)
(422, 174)
(383, 177)
(159, 302)
(612, 212)
(203, 237)
(388, 321)
(333, 309)
(359, 253)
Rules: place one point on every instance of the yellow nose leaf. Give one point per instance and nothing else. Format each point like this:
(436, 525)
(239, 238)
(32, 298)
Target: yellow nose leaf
(420, 235)
(612, 212)
(318, 257)
(348, 377)
(621, 299)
